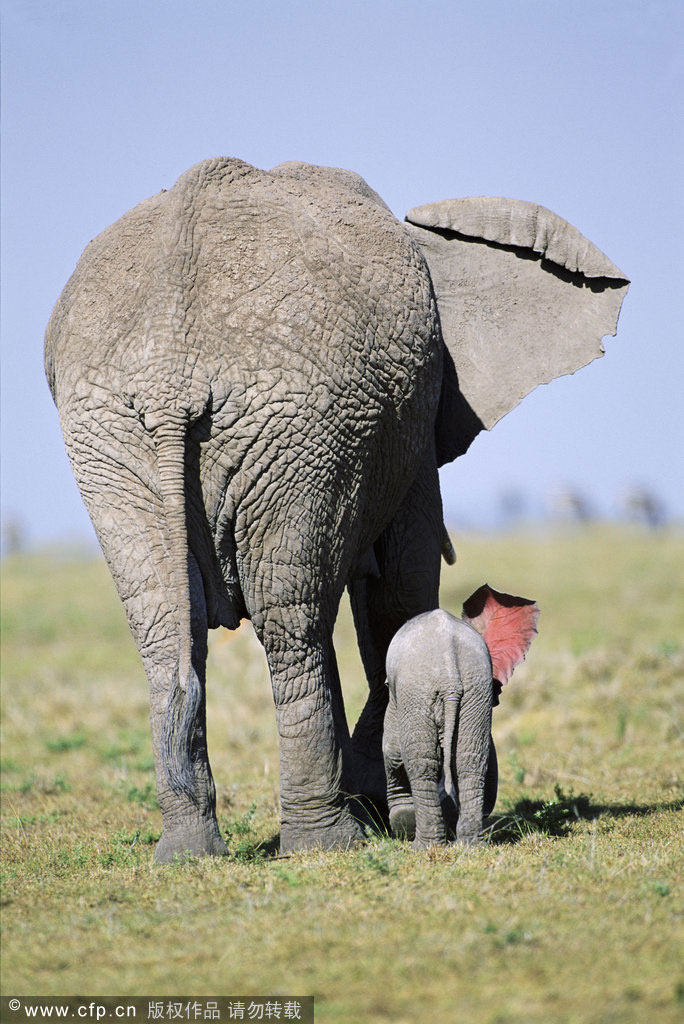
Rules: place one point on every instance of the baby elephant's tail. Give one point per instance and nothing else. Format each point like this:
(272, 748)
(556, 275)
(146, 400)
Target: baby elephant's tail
(451, 705)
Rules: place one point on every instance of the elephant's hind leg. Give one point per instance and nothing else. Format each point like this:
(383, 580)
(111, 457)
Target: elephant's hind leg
(402, 814)
(127, 522)
(311, 727)
(293, 610)
(424, 773)
(189, 824)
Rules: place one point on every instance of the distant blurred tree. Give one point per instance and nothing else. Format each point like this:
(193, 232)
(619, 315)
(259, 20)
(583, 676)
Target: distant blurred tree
(643, 506)
(569, 503)
(512, 505)
(13, 536)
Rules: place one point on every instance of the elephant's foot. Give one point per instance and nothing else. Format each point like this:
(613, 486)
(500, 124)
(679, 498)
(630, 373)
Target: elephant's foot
(341, 833)
(403, 821)
(469, 837)
(195, 839)
(420, 843)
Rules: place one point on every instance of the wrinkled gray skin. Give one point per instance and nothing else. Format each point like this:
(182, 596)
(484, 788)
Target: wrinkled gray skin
(437, 725)
(248, 371)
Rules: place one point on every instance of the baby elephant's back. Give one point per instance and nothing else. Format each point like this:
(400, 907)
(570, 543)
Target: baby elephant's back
(433, 650)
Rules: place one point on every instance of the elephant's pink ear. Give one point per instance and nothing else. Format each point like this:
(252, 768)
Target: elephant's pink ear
(507, 624)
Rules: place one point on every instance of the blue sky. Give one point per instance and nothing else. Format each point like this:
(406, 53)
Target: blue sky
(575, 105)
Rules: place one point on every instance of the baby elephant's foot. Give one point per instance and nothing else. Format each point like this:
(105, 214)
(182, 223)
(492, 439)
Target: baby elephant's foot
(342, 833)
(201, 839)
(403, 821)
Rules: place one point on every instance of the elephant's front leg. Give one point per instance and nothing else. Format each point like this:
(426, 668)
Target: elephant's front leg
(314, 740)
(374, 632)
(408, 554)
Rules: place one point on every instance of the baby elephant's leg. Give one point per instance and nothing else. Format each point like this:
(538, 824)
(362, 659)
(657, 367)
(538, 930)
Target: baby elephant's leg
(401, 812)
(424, 774)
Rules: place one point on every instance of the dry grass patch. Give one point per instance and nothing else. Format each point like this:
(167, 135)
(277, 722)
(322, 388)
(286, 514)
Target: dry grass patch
(570, 913)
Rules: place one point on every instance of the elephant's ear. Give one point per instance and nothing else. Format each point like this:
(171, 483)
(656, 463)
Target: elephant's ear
(523, 297)
(508, 625)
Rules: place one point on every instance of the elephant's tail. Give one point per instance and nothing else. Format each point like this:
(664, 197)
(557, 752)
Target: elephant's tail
(185, 694)
(451, 703)
(448, 553)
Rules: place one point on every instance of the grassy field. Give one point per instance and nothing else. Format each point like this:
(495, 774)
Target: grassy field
(572, 912)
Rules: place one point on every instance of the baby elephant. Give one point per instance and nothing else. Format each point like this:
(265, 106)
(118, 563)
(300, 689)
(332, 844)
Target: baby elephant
(444, 674)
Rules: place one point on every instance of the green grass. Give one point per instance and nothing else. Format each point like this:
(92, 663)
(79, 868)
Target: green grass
(570, 913)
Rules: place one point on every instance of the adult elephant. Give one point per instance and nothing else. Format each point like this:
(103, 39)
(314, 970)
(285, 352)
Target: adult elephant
(255, 396)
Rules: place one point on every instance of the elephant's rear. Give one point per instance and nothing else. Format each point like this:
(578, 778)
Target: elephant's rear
(424, 652)
(318, 328)
(289, 304)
